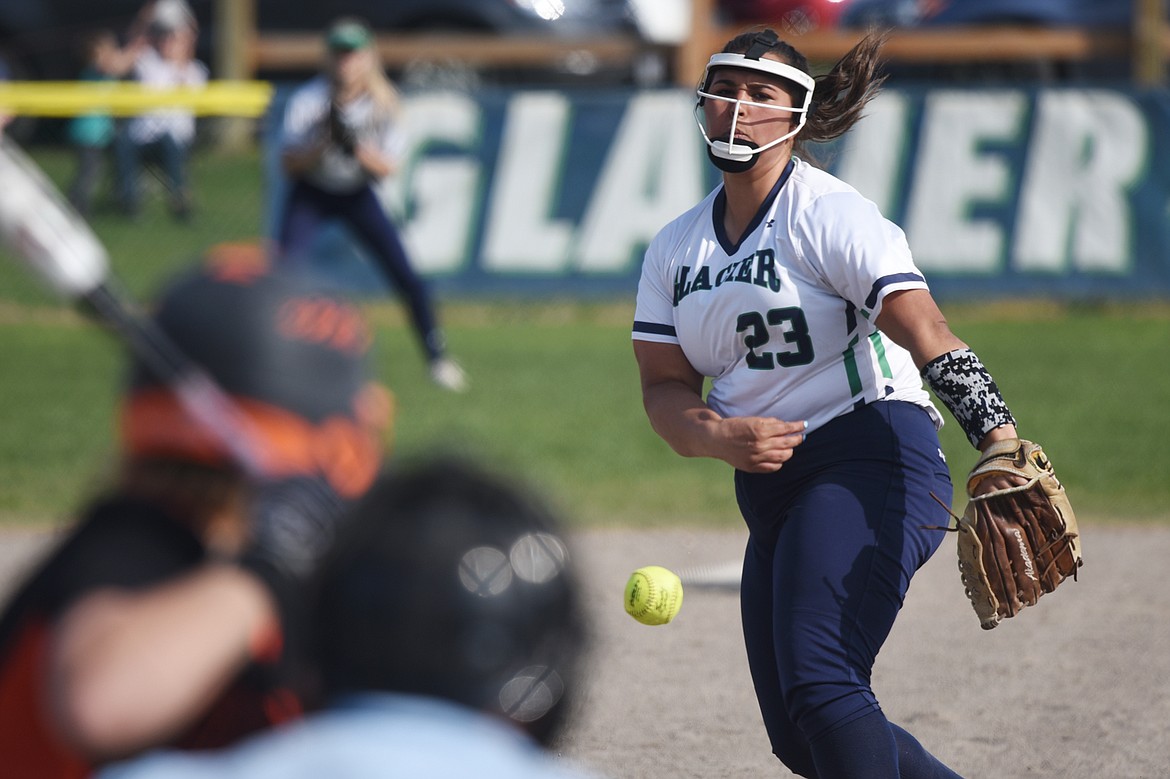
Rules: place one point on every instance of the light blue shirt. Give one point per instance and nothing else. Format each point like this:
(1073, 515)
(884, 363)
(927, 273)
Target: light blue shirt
(368, 735)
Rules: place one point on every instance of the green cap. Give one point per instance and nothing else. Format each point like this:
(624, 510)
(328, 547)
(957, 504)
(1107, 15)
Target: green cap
(348, 35)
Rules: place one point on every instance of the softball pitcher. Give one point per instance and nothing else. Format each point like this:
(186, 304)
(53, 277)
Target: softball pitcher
(340, 138)
(804, 307)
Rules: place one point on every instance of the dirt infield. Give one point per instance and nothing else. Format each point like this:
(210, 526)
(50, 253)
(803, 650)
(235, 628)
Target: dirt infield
(1078, 686)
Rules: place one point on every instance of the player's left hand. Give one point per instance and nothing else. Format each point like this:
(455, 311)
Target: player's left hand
(996, 480)
(293, 523)
(997, 483)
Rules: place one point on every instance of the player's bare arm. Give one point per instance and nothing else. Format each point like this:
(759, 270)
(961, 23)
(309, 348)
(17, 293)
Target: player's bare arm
(672, 396)
(913, 320)
(115, 655)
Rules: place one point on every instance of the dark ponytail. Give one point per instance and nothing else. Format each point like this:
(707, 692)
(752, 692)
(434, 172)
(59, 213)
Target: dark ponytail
(842, 94)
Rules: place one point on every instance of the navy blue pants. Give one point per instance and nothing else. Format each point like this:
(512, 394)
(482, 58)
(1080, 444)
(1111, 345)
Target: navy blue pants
(308, 207)
(835, 537)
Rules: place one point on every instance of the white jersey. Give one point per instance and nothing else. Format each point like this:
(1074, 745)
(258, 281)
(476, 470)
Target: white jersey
(306, 119)
(154, 71)
(783, 322)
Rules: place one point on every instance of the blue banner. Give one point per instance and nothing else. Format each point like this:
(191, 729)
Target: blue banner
(1061, 193)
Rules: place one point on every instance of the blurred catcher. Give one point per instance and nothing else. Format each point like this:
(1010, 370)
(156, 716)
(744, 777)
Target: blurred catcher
(450, 637)
(169, 614)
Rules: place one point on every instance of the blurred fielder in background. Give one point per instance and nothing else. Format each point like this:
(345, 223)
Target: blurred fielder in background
(805, 307)
(169, 614)
(450, 639)
(340, 138)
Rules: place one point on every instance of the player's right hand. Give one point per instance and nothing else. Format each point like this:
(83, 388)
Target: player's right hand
(293, 522)
(758, 444)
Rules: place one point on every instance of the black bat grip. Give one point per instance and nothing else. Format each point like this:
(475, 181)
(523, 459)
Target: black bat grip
(145, 340)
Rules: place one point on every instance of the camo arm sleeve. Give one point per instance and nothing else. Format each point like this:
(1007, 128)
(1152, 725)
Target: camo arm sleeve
(959, 380)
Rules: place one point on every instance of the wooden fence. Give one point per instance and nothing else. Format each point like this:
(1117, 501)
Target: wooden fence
(1146, 46)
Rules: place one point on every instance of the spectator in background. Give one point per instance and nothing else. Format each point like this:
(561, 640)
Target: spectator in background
(91, 134)
(340, 139)
(166, 135)
(450, 634)
(168, 615)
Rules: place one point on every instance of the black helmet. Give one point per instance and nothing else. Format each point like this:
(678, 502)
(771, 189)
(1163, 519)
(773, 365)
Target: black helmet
(453, 584)
(293, 357)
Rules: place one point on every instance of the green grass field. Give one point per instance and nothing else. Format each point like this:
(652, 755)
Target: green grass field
(555, 395)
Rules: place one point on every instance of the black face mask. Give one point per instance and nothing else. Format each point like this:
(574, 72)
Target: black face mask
(733, 166)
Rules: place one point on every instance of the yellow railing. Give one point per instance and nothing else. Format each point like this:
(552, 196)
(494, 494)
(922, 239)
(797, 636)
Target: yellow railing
(70, 98)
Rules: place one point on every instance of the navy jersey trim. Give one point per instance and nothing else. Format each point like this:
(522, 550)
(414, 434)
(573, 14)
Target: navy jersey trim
(719, 208)
(885, 281)
(651, 328)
